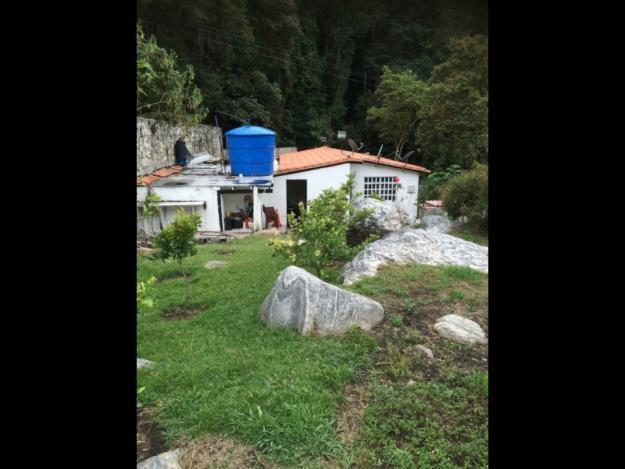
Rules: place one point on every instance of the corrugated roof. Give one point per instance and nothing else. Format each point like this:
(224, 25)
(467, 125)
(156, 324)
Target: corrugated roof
(159, 174)
(328, 156)
(434, 203)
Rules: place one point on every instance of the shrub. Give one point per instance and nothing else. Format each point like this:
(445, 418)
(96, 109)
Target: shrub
(143, 300)
(433, 183)
(466, 195)
(319, 237)
(177, 241)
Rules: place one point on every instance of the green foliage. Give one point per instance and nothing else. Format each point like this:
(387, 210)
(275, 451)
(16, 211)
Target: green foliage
(466, 195)
(143, 300)
(396, 320)
(303, 67)
(319, 237)
(454, 125)
(401, 96)
(177, 241)
(376, 196)
(431, 185)
(150, 207)
(166, 91)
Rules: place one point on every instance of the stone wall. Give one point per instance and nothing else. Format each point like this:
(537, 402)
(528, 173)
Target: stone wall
(156, 139)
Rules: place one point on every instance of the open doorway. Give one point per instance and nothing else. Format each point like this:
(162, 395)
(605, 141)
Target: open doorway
(296, 192)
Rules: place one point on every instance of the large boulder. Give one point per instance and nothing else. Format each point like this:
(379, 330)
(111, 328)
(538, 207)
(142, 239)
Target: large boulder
(384, 218)
(460, 329)
(436, 223)
(414, 245)
(309, 305)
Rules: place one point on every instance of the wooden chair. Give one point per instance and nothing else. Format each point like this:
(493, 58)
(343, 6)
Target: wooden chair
(271, 216)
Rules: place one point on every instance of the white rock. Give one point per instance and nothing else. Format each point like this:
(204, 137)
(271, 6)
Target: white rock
(437, 223)
(414, 245)
(423, 350)
(142, 363)
(168, 460)
(214, 264)
(301, 301)
(460, 329)
(385, 216)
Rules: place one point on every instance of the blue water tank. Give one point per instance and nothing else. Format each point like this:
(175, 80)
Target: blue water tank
(251, 150)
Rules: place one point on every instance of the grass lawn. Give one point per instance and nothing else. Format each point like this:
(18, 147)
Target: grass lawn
(224, 372)
(471, 234)
(365, 400)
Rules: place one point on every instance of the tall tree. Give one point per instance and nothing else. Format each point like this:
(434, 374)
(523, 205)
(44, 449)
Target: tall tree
(396, 117)
(454, 126)
(165, 90)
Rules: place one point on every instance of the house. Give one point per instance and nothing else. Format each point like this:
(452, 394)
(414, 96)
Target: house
(220, 198)
(302, 175)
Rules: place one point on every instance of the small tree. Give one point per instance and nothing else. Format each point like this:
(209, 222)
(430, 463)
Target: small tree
(150, 208)
(319, 237)
(177, 241)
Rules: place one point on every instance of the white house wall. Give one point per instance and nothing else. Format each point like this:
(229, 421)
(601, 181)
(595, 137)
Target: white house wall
(209, 216)
(318, 180)
(406, 201)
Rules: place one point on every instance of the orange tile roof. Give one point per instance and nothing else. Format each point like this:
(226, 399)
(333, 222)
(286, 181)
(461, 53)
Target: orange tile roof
(159, 174)
(328, 156)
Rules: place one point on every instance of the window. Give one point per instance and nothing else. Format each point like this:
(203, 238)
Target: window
(381, 185)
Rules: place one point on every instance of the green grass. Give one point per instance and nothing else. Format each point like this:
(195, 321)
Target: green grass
(471, 234)
(224, 372)
(424, 413)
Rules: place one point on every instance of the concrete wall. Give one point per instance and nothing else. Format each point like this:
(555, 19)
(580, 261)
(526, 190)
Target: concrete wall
(405, 200)
(155, 150)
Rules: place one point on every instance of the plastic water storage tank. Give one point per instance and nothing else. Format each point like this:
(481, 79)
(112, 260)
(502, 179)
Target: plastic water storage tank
(251, 150)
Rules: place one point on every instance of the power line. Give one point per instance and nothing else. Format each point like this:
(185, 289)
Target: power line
(286, 61)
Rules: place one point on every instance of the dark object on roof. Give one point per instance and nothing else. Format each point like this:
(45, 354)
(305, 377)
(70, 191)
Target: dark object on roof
(183, 155)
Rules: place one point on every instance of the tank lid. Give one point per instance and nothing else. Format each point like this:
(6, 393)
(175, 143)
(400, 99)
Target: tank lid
(250, 130)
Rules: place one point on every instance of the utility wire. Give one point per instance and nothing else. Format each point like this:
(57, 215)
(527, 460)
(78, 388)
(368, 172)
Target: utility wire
(286, 61)
(237, 37)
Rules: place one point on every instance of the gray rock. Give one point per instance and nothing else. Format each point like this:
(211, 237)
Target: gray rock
(214, 264)
(460, 329)
(384, 218)
(303, 302)
(415, 245)
(142, 363)
(437, 223)
(423, 350)
(168, 460)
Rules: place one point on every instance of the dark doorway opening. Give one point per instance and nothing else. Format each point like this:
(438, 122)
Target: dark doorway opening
(296, 192)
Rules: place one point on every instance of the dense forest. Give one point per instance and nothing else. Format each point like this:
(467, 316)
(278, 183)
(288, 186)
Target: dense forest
(411, 75)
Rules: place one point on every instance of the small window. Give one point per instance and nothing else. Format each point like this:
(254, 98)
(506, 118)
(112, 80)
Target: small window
(382, 186)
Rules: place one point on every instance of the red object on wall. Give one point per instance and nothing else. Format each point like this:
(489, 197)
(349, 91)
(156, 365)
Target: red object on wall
(396, 179)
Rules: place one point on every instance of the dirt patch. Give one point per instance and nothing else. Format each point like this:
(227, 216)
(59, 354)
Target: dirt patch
(218, 452)
(225, 252)
(351, 412)
(150, 441)
(181, 313)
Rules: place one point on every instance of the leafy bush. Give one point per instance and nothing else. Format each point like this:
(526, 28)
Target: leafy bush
(319, 237)
(432, 184)
(143, 300)
(177, 241)
(466, 195)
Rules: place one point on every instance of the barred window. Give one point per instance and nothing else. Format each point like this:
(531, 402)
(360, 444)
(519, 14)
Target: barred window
(381, 185)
